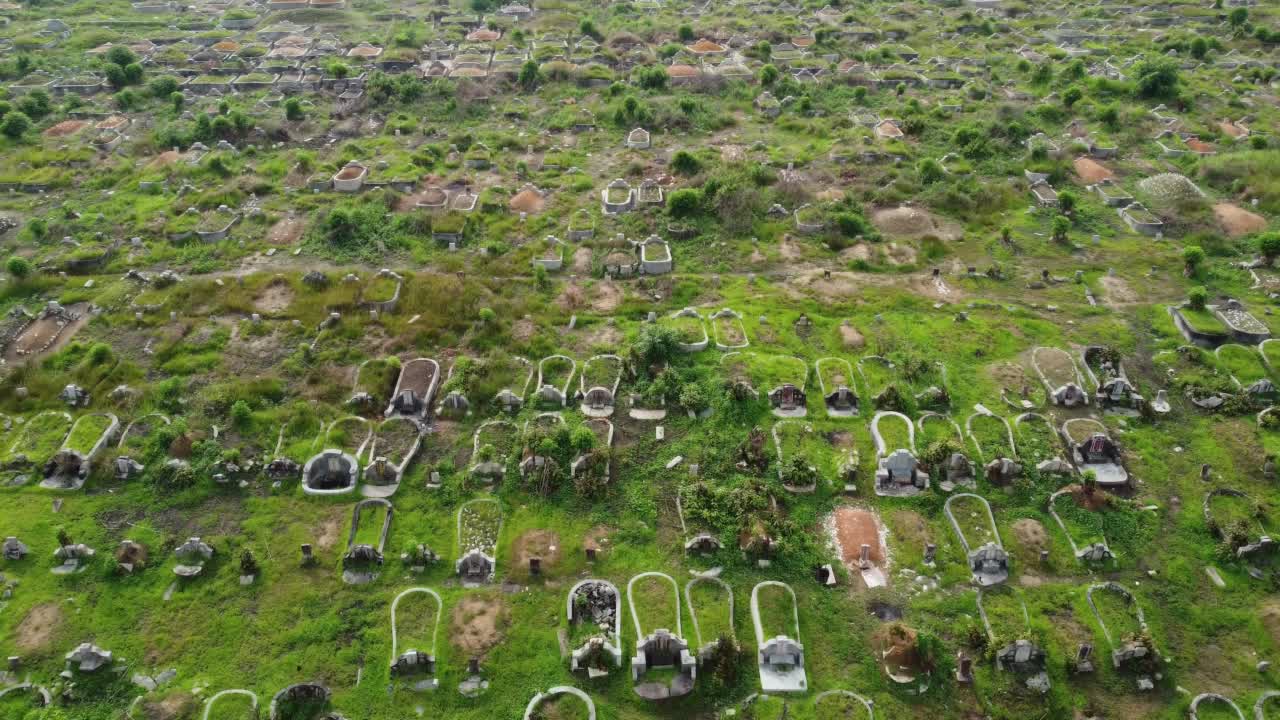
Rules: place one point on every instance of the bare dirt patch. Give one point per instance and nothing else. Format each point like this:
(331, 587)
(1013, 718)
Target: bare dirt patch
(1271, 619)
(42, 331)
(1091, 171)
(908, 221)
(1031, 535)
(606, 297)
(165, 159)
(1117, 291)
(478, 624)
(286, 232)
(1236, 221)
(850, 336)
(65, 128)
(856, 527)
(598, 538)
(38, 627)
(527, 201)
(543, 544)
(582, 260)
(330, 529)
(275, 298)
(523, 330)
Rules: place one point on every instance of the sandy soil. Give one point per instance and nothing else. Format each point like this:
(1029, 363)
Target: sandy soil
(527, 201)
(850, 336)
(38, 627)
(1236, 221)
(1116, 291)
(910, 221)
(543, 544)
(1091, 171)
(478, 624)
(1031, 535)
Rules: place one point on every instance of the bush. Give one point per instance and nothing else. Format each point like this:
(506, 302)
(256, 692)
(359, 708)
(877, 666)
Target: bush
(1269, 245)
(18, 267)
(15, 124)
(241, 415)
(684, 202)
(1197, 298)
(1193, 255)
(293, 110)
(685, 163)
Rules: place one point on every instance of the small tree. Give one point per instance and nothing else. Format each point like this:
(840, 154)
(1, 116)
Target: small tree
(1061, 226)
(293, 110)
(1192, 257)
(1072, 95)
(1197, 297)
(1067, 201)
(686, 33)
(177, 100)
(1269, 246)
(529, 76)
(241, 414)
(18, 267)
(685, 163)
(768, 75)
(930, 171)
(15, 124)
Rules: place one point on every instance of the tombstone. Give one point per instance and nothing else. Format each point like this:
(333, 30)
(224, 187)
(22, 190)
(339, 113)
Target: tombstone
(307, 557)
(535, 566)
(1206, 472)
(1269, 468)
(930, 553)
(1044, 557)
(1084, 658)
(473, 666)
(13, 549)
(964, 668)
(591, 554)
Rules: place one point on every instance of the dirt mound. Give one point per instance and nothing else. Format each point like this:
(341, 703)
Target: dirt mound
(910, 221)
(606, 297)
(1117, 291)
(1236, 221)
(330, 529)
(597, 537)
(165, 159)
(1091, 171)
(856, 527)
(582, 260)
(65, 128)
(543, 544)
(38, 627)
(528, 201)
(478, 624)
(1031, 534)
(850, 336)
(895, 647)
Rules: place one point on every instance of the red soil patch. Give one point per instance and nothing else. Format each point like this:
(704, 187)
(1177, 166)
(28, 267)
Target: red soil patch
(856, 527)
(1232, 130)
(1236, 221)
(1199, 145)
(286, 232)
(166, 158)
(705, 46)
(528, 201)
(1094, 501)
(66, 127)
(1091, 171)
(350, 173)
(543, 544)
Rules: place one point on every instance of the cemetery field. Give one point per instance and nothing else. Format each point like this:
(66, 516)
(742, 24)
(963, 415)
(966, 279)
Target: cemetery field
(884, 313)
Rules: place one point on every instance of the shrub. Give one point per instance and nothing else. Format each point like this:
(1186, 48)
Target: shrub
(293, 110)
(1269, 245)
(241, 414)
(18, 267)
(685, 163)
(684, 202)
(1193, 255)
(15, 124)
(1197, 297)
